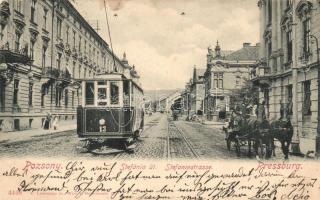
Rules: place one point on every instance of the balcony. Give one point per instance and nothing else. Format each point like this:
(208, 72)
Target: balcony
(67, 50)
(80, 57)
(18, 18)
(64, 79)
(64, 76)
(50, 73)
(262, 76)
(85, 59)
(74, 53)
(59, 43)
(9, 56)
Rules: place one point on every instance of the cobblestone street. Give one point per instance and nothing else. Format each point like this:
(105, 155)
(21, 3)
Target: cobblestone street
(162, 138)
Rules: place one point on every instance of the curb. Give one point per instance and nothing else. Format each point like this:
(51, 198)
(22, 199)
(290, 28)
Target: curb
(33, 137)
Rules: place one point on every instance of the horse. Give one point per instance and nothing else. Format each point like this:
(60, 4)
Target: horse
(282, 130)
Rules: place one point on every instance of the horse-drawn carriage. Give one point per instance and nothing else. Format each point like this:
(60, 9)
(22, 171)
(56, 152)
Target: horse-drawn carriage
(246, 129)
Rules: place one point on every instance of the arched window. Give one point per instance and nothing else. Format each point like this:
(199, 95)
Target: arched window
(303, 11)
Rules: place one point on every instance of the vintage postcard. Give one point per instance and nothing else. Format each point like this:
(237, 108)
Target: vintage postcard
(159, 99)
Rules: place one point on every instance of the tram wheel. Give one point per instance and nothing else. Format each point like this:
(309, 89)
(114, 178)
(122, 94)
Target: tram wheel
(136, 134)
(89, 145)
(124, 145)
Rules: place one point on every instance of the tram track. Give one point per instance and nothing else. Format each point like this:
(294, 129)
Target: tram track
(149, 125)
(178, 146)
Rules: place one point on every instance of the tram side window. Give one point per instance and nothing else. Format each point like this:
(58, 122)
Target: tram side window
(126, 93)
(89, 93)
(114, 89)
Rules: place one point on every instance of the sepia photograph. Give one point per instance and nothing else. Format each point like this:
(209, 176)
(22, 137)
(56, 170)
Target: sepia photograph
(90, 84)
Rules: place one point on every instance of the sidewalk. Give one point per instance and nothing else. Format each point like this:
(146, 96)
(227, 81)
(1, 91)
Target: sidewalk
(307, 147)
(18, 136)
(213, 124)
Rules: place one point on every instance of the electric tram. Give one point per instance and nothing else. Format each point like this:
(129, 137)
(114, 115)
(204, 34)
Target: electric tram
(111, 111)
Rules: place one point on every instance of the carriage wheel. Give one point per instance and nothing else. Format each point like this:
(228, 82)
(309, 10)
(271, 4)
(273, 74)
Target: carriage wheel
(238, 147)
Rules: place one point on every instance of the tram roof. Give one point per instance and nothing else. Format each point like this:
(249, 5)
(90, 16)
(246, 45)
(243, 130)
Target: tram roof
(110, 77)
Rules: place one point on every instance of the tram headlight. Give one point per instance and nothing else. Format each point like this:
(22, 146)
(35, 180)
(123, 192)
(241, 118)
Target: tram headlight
(102, 122)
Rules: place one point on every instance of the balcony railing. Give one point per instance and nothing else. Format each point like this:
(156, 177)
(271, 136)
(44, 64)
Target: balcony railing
(12, 56)
(52, 73)
(64, 76)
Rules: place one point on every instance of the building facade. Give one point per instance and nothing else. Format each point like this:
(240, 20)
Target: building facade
(196, 97)
(224, 74)
(288, 71)
(45, 47)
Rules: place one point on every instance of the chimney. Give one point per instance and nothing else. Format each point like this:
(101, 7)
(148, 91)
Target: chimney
(246, 44)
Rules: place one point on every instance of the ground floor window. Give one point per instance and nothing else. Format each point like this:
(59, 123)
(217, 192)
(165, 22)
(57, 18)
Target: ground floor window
(66, 98)
(58, 96)
(30, 123)
(15, 92)
(16, 124)
(43, 93)
(30, 94)
(289, 101)
(307, 98)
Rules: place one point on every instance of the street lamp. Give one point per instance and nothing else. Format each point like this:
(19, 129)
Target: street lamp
(318, 118)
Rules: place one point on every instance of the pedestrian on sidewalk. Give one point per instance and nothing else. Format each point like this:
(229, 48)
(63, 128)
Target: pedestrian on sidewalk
(55, 123)
(47, 121)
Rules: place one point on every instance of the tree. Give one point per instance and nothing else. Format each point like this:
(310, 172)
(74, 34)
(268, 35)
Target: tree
(246, 95)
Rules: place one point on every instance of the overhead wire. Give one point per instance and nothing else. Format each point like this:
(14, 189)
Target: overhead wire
(109, 33)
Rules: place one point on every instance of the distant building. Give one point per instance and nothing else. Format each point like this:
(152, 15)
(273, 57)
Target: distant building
(197, 92)
(223, 74)
(45, 47)
(185, 95)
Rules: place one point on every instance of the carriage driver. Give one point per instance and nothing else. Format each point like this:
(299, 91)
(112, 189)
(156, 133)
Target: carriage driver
(261, 112)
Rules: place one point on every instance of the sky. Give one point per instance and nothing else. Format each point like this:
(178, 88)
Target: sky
(164, 45)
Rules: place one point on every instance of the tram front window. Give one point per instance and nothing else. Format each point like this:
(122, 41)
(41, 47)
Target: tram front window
(114, 90)
(102, 93)
(89, 93)
(102, 96)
